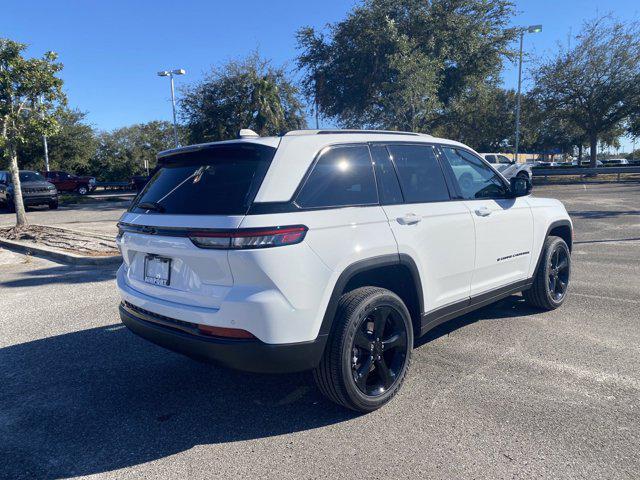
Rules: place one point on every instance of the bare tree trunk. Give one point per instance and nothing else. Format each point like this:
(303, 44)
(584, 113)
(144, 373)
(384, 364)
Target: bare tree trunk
(579, 154)
(593, 140)
(21, 216)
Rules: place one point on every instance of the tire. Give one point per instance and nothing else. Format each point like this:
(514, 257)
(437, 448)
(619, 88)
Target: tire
(359, 316)
(547, 291)
(11, 207)
(83, 189)
(53, 205)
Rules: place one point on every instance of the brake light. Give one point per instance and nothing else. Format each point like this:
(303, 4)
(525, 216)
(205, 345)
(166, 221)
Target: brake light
(250, 237)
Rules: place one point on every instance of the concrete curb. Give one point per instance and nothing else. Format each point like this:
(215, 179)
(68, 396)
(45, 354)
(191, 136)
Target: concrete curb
(57, 255)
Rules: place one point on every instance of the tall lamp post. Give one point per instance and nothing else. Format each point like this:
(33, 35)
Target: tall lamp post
(522, 31)
(44, 142)
(170, 74)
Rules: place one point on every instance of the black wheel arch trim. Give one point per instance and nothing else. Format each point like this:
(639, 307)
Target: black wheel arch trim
(362, 266)
(553, 225)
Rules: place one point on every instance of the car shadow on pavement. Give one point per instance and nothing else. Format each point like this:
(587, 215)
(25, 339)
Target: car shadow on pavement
(102, 399)
(512, 306)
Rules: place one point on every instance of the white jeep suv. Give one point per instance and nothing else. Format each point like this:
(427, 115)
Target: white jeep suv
(330, 251)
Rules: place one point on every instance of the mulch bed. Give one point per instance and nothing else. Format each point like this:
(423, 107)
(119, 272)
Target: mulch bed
(72, 241)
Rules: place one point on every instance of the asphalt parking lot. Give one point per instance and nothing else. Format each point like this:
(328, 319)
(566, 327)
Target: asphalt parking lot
(504, 392)
(99, 216)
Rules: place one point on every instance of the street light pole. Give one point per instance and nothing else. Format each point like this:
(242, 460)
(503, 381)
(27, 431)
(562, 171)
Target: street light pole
(522, 31)
(518, 97)
(170, 74)
(44, 142)
(46, 152)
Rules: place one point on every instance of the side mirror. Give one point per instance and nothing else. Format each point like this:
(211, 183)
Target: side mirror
(520, 187)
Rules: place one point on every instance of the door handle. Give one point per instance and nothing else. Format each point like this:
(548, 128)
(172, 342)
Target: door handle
(409, 219)
(483, 212)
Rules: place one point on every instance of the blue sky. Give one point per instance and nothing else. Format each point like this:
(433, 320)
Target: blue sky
(112, 49)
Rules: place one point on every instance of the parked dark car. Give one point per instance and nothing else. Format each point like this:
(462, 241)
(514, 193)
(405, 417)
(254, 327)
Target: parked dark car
(35, 190)
(138, 182)
(67, 182)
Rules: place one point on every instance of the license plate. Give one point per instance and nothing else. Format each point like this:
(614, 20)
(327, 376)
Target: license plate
(157, 270)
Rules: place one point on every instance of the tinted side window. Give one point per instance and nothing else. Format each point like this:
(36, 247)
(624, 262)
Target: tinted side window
(342, 176)
(504, 160)
(475, 179)
(421, 176)
(490, 158)
(388, 186)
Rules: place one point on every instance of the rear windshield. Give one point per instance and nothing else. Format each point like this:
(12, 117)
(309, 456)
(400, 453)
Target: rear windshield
(220, 180)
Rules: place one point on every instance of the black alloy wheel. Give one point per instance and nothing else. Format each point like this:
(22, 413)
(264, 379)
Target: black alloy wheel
(368, 352)
(379, 351)
(551, 281)
(558, 272)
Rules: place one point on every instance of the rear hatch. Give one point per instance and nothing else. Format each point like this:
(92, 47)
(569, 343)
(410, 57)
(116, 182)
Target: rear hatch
(205, 190)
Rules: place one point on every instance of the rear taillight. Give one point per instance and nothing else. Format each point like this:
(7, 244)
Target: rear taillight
(250, 237)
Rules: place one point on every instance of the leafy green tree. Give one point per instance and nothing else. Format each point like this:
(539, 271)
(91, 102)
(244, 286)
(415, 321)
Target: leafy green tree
(633, 127)
(71, 148)
(634, 155)
(596, 84)
(30, 92)
(398, 63)
(121, 153)
(482, 117)
(249, 93)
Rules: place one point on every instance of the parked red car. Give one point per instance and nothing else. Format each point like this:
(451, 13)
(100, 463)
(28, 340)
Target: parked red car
(66, 182)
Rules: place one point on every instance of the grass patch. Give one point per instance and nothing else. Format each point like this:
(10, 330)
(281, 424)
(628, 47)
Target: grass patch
(70, 198)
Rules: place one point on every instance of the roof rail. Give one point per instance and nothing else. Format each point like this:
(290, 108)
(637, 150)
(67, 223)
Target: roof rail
(350, 131)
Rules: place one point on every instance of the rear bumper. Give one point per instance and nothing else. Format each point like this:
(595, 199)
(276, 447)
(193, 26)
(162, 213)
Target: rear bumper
(245, 355)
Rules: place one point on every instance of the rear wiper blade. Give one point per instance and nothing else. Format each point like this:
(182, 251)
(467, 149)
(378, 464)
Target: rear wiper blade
(151, 206)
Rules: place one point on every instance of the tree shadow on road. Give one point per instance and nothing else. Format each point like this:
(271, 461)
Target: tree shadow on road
(98, 206)
(70, 274)
(600, 214)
